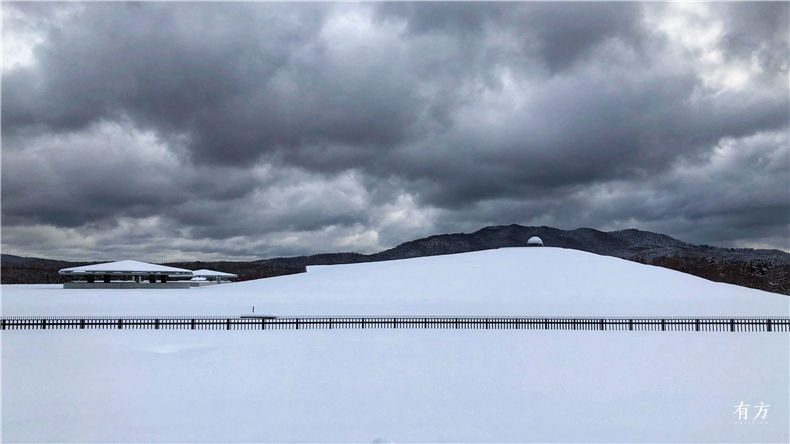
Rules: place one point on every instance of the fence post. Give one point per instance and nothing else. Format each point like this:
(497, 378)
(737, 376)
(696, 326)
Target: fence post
(2, 324)
(663, 324)
(120, 324)
(630, 324)
(696, 323)
(768, 324)
(44, 324)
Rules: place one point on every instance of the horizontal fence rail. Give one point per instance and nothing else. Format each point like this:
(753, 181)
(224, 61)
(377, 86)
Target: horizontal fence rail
(719, 324)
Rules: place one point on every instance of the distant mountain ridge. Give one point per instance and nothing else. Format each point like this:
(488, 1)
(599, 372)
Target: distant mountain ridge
(763, 269)
(767, 270)
(629, 244)
(11, 259)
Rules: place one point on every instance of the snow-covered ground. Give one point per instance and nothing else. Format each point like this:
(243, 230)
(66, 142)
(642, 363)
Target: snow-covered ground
(403, 385)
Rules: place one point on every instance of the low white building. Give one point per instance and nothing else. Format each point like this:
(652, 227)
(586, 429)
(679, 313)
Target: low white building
(204, 275)
(127, 274)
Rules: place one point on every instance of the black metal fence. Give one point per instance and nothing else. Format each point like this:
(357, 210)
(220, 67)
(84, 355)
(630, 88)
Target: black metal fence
(723, 324)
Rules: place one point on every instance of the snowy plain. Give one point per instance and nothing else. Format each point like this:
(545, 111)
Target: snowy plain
(403, 385)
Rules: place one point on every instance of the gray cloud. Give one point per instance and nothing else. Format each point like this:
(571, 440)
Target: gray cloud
(255, 129)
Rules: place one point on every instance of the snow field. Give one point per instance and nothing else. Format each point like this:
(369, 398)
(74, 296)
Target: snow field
(404, 386)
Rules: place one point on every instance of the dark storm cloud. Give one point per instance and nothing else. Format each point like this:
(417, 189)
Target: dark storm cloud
(560, 35)
(243, 88)
(313, 127)
(466, 18)
(580, 127)
(242, 81)
(564, 35)
(68, 185)
(758, 30)
(598, 134)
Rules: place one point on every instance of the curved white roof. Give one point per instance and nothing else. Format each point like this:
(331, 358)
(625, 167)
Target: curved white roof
(212, 273)
(125, 267)
(534, 240)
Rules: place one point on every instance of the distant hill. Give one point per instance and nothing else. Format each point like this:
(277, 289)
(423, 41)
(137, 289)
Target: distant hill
(627, 244)
(33, 270)
(11, 259)
(767, 270)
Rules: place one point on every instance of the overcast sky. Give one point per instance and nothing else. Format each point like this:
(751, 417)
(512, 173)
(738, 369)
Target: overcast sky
(238, 131)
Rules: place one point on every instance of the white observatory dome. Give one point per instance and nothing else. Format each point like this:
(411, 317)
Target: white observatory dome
(535, 241)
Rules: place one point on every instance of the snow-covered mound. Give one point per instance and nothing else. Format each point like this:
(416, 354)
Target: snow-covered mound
(504, 282)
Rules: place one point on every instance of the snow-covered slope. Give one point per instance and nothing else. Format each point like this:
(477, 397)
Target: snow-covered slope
(506, 282)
